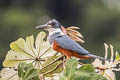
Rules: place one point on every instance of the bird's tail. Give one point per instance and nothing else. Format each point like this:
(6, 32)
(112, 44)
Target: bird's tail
(98, 57)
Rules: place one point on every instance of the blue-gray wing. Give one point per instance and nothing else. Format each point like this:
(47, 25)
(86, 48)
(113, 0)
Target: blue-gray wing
(67, 43)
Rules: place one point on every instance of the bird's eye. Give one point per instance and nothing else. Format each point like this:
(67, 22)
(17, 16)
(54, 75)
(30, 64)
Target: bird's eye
(53, 23)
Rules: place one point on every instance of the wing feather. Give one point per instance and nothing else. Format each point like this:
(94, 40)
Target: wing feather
(67, 43)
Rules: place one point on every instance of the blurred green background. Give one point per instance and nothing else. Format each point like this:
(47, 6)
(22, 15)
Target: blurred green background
(99, 21)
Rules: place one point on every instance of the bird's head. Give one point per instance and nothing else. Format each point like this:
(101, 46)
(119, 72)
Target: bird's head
(51, 25)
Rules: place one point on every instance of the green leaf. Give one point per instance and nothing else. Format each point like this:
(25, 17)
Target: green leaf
(70, 67)
(51, 66)
(117, 57)
(27, 72)
(50, 59)
(87, 68)
(96, 77)
(52, 73)
(85, 72)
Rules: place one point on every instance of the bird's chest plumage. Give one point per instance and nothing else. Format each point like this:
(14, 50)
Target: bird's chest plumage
(51, 39)
(53, 35)
(58, 48)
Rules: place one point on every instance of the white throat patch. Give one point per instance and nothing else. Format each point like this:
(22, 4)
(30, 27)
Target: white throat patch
(55, 31)
(53, 34)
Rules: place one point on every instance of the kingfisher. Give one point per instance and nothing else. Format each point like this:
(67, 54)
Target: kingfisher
(62, 43)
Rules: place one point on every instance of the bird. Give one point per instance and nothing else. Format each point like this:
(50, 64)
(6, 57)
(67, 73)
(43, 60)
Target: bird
(62, 43)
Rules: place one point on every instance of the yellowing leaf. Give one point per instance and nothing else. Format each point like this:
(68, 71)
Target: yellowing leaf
(35, 52)
(39, 41)
(30, 45)
(9, 74)
(51, 66)
(13, 58)
(20, 46)
(29, 51)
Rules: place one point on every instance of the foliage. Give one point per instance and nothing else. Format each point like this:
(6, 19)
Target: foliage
(9, 74)
(51, 66)
(36, 52)
(109, 67)
(85, 72)
(34, 60)
(28, 51)
(27, 72)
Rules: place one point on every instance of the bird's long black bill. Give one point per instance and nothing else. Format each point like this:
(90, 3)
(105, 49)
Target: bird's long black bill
(41, 26)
